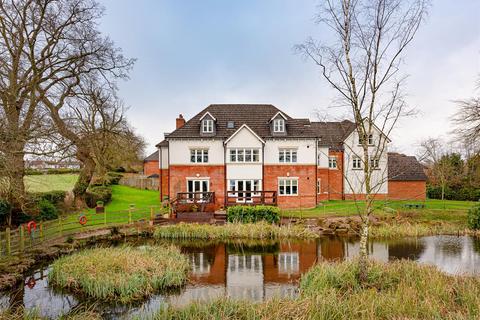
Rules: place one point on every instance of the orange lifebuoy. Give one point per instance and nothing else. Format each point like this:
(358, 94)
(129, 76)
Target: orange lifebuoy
(82, 219)
(31, 226)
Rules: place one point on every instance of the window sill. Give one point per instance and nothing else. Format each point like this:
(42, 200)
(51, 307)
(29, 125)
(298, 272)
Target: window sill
(288, 195)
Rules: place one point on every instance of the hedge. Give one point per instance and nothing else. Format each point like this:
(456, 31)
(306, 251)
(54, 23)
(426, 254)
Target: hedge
(55, 197)
(464, 193)
(250, 214)
(474, 217)
(98, 193)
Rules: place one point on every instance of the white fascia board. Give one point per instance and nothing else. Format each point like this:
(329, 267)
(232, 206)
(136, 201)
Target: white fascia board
(239, 129)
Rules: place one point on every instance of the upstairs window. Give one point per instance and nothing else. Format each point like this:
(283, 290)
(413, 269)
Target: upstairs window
(369, 140)
(207, 126)
(199, 155)
(287, 155)
(357, 163)
(279, 125)
(332, 162)
(244, 155)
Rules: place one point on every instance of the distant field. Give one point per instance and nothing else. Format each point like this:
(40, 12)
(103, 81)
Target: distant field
(50, 182)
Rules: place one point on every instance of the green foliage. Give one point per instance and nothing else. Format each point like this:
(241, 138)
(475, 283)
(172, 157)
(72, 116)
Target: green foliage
(251, 214)
(474, 217)
(35, 172)
(98, 193)
(4, 210)
(56, 197)
(123, 274)
(46, 210)
(454, 193)
(113, 178)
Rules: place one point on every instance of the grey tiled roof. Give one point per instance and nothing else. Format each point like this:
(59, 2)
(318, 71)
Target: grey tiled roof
(404, 168)
(255, 116)
(152, 157)
(332, 134)
(164, 143)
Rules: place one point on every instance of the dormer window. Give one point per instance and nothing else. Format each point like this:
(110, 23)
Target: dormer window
(207, 126)
(278, 125)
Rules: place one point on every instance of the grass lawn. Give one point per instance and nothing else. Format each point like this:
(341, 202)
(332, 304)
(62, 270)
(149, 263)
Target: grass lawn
(50, 182)
(435, 210)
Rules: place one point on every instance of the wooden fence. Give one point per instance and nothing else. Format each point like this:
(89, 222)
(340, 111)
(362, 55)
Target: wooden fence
(13, 242)
(140, 182)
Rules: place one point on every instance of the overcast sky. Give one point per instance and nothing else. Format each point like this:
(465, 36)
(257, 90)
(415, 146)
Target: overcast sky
(194, 53)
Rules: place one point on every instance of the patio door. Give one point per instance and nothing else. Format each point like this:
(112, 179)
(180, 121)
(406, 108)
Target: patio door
(197, 188)
(245, 188)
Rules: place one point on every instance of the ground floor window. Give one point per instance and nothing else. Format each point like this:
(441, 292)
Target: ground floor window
(319, 189)
(288, 186)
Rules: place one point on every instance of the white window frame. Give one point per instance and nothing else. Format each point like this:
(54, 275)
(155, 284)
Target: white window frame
(332, 162)
(370, 139)
(375, 163)
(207, 126)
(356, 163)
(279, 125)
(287, 184)
(287, 155)
(235, 154)
(198, 153)
(203, 182)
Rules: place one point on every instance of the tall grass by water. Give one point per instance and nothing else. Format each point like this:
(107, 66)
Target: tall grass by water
(397, 290)
(232, 231)
(122, 274)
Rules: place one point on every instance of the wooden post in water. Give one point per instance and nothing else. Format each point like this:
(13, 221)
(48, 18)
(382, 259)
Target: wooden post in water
(7, 241)
(22, 238)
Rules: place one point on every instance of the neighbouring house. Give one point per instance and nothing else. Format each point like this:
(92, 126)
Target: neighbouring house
(245, 154)
(151, 165)
(48, 164)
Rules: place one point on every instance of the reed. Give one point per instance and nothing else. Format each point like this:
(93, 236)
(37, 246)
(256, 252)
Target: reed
(122, 274)
(406, 229)
(232, 231)
(397, 290)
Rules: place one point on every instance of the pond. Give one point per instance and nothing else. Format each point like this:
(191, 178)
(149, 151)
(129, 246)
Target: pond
(254, 270)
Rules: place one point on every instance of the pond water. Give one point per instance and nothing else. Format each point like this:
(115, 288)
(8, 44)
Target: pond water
(254, 270)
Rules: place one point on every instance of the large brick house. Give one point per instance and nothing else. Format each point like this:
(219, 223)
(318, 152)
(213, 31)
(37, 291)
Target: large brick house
(259, 154)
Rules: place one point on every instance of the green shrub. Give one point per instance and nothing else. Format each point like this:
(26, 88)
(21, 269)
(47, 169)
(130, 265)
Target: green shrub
(56, 197)
(454, 193)
(98, 193)
(251, 214)
(113, 178)
(4, 210)
(474, 217)
(47, 211)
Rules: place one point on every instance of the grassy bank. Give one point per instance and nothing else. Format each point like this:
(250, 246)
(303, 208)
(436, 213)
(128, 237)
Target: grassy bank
(398, 290)
(50, 182)
(120, 274)
(232, 231)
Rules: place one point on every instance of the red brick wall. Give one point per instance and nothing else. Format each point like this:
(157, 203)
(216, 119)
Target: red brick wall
(150, 167)
(331, 180)
(179, 174)
(407, 190)
(306, 184)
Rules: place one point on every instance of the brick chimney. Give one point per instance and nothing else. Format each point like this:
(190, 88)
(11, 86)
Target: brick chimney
(180, 121)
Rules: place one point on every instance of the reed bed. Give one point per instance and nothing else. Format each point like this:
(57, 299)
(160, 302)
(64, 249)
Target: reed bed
(122, 274)
(397, 290)
(232, 231)
(398, 230)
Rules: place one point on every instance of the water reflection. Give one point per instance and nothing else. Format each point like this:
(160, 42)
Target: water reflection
(254, 271)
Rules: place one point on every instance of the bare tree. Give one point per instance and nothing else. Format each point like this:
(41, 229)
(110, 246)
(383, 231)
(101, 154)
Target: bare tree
(467, 119)
(47, 48)
(362, 65)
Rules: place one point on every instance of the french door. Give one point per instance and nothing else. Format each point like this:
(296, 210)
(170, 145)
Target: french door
(197, 188)
(245, 189)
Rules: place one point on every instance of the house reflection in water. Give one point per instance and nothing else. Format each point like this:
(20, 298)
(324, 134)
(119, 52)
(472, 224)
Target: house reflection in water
(253, 272)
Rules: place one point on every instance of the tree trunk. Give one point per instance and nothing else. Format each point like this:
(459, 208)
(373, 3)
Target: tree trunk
(15, 172)
(363, 259)
(85, 177)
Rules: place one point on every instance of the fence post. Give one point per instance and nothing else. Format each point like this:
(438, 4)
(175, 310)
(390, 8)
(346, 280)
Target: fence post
(104, 215)
(60, 226)
(7, 241)
(22, 238)
(152, 214)
(130, 214)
